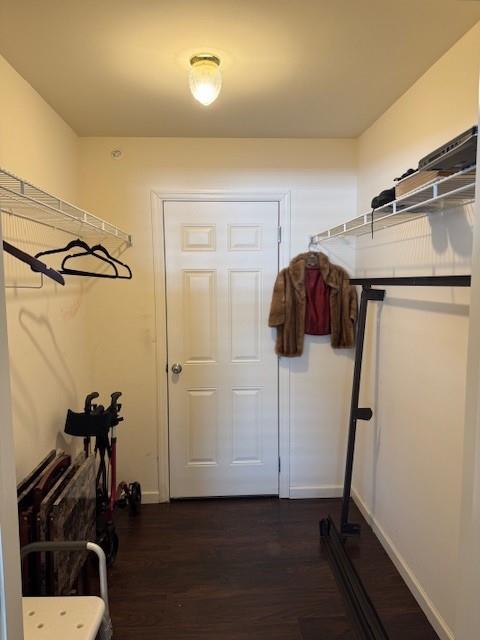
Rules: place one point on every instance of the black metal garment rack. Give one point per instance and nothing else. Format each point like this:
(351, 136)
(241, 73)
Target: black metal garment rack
(368, 625)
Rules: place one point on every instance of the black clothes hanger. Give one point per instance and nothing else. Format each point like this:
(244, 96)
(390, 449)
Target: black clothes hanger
(108, 258)
(99, 247)
(87, 251)
(92, 274)
(33, 262)
(71, 245)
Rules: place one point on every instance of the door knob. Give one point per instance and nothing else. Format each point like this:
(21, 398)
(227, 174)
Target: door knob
(176, 368)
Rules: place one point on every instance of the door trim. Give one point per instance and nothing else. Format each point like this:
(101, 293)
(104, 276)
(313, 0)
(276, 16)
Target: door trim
(158, 200)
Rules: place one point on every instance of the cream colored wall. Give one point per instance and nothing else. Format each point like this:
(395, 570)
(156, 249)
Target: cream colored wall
(409, 458)
(321, 177)
(46, 328)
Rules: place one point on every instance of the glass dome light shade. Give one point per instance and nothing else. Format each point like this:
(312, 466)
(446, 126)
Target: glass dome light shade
(205, 78)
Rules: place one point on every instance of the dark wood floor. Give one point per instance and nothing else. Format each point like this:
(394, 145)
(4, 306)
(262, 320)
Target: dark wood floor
(245, 570)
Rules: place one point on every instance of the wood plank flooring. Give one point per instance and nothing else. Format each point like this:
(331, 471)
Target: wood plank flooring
(248, 569)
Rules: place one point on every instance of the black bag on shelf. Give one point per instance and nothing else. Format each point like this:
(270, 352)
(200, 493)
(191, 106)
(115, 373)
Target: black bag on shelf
(384, 197)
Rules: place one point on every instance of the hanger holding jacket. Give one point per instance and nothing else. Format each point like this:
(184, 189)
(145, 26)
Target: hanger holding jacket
(322, 302)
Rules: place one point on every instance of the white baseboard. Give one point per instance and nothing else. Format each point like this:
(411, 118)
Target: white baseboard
(427, 606)
(323, 491)
(150, 497)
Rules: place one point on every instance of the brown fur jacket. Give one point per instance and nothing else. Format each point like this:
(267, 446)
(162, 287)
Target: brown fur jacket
(287, 311)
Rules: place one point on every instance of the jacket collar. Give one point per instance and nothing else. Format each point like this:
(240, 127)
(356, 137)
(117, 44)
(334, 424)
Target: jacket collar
(328, 271)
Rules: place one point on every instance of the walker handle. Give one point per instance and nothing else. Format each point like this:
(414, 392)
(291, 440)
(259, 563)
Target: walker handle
(88, 401)
(113, 404)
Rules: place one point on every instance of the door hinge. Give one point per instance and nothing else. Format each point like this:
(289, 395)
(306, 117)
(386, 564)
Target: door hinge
(279, 230)
(279, 464)
(166, 368)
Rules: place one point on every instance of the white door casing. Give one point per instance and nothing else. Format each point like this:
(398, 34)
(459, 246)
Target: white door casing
(221, 263)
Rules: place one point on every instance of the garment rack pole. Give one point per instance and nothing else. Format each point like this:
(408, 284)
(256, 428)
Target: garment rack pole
(356, 413)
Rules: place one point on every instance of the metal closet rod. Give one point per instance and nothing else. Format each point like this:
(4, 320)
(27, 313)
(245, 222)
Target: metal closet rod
(415, 281)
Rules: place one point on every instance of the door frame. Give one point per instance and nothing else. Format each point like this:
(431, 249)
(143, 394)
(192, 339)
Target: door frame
(158, 200)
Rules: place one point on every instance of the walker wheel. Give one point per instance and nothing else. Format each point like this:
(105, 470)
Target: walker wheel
(135, 498)
(122, 501)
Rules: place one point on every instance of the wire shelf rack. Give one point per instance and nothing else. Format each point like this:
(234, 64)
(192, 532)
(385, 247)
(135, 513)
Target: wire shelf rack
(452, 191)
(22, 199)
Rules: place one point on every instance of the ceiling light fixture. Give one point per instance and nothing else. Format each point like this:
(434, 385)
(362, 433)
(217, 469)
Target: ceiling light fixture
(205, 78)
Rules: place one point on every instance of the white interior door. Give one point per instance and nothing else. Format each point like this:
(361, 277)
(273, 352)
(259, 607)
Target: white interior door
(221, 263)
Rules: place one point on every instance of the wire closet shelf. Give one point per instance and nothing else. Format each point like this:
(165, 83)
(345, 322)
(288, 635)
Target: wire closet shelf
(22, 199)
(441, 195)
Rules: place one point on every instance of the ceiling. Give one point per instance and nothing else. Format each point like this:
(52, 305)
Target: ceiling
(291, 68)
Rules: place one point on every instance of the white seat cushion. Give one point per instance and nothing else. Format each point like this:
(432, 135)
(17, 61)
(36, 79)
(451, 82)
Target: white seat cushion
(75, 618)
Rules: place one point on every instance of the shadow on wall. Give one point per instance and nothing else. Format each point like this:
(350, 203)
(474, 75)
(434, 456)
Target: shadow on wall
(452, 231)
(23, 403)
(41, 335)
(39, 416)
(439, 244)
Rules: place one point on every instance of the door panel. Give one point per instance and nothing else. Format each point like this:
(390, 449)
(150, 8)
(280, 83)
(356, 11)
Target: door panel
(246, 419)
(244, 293)
(221, 264)
(202, 426)
(200, 309)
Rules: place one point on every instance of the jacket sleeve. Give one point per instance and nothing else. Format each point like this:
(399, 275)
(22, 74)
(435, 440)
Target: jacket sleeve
(353, 306)
(347, 316)
(277, 307)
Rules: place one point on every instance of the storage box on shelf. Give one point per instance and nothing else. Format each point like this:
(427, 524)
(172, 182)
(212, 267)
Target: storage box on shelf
(418, 180)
